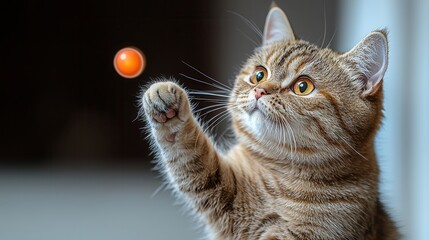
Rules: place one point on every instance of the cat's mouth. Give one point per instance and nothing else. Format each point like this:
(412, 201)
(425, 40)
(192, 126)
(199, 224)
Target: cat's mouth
(260, 112)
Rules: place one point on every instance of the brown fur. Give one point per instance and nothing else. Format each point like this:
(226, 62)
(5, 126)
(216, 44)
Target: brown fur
(302, 168)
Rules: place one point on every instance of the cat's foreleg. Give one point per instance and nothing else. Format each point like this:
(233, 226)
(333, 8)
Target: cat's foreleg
(187, 155)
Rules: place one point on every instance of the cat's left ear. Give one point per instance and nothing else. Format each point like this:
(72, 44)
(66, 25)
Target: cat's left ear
(277, 26)
(369, 56)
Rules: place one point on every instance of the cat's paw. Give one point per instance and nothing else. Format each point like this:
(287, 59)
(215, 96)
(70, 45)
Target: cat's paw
(166, 104)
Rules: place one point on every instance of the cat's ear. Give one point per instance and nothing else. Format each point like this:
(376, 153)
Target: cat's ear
(369, 56)
(277, 26)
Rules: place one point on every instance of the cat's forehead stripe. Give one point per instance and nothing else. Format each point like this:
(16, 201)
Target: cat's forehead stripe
(299, 67)
(287, 54)
(270, 55)
(290, 60)
(295, 57)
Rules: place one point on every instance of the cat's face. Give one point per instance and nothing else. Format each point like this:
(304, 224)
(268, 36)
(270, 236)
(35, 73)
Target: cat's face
(293, 98)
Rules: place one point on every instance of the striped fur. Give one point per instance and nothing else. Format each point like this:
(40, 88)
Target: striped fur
(302, 168)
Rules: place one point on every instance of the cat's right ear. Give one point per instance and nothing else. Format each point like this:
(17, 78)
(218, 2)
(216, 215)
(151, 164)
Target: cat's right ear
(277, 27)
(369, 58)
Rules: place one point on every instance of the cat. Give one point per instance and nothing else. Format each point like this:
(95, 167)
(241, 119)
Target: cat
(303, 166)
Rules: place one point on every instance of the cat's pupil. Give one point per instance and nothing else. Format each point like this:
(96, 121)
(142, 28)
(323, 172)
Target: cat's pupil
(302, 86)
(259, 76)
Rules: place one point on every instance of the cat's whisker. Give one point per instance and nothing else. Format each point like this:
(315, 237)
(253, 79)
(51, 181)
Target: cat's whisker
(324, 22)
(285, 133)
(220, 92)
(212, 110)
(345, 141)
(248, 38)
(161, 187)
(290, 134)
(225, 137)
(282, 135)
(241, 102)
(332, 38)
(207, 125)
(274, 128)
(215, 100)
(203, 82)
(217, 106)
(196, 92)
(238, 92)
(205, 75)
(220, 115)
(267, 131)
(250, 24)
(219, 120)
(293, 137)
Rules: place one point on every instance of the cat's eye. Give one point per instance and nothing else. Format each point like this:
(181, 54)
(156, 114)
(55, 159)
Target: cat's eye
(260, 74)
(303, 86)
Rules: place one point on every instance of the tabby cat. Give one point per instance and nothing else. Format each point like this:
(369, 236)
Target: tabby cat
(303, 166)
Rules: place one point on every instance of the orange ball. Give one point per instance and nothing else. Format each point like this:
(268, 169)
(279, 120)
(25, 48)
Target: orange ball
(129, 62)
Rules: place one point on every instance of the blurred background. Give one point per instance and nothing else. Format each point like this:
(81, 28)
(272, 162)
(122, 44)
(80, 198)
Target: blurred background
(74, 163)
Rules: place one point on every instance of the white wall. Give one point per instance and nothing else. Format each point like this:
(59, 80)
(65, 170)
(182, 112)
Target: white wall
(404, 138)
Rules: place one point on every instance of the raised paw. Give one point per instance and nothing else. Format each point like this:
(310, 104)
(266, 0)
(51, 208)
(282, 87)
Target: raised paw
(166, 103)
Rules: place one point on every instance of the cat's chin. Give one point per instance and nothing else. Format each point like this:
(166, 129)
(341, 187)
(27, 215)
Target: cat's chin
(257, 116)
(258, 121)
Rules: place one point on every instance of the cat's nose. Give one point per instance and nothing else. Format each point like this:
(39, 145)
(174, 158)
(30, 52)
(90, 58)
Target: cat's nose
(259, 92)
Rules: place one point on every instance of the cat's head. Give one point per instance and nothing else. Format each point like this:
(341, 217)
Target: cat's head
(294, 99)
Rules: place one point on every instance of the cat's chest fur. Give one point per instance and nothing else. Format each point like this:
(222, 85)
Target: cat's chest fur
(302, 196)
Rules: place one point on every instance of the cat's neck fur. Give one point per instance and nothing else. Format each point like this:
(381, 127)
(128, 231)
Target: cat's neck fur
(350, 165)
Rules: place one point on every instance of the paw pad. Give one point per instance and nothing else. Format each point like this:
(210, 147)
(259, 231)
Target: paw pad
(170, 113)
(163, 117)
(170, 137)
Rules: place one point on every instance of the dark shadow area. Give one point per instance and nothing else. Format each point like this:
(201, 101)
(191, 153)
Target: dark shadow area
(63, 103)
